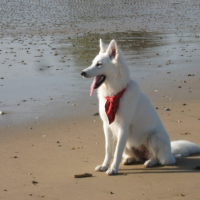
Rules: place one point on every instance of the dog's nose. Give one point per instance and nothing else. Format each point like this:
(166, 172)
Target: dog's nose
(83, 73)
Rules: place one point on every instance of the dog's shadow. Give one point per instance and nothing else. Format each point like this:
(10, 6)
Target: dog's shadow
(189, 164)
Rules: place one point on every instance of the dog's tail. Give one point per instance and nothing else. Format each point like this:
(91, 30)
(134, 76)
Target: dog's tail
(183, 148)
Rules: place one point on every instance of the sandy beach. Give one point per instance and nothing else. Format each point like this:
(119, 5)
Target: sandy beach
(50, 130)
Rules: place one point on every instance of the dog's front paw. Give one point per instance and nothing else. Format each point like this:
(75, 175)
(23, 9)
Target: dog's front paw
(101, 168)
(111, 171)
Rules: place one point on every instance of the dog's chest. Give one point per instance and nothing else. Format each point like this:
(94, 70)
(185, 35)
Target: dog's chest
(102, 102)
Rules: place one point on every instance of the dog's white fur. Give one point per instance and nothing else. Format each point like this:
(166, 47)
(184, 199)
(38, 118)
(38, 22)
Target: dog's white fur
(137, 128)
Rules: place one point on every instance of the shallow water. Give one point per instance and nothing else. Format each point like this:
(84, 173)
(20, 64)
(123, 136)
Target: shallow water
(36, 17)
(46, 44)
(82, 10)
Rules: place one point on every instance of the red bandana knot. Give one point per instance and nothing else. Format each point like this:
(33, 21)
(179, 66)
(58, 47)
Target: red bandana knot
(112, 105)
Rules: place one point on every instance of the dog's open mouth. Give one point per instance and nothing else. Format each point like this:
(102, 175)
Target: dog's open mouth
(98, 80)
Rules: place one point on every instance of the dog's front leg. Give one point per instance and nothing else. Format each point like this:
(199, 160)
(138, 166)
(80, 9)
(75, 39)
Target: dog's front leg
(121, 142)
(108, 145)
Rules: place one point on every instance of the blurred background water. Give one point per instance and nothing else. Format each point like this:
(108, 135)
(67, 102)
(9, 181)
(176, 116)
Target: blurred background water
(45, 44)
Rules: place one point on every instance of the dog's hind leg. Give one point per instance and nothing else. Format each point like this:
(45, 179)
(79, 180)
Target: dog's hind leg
(108, 147)
(166, 159)
(161, 151)
(151, 162)
(129, 157)
(128, 160)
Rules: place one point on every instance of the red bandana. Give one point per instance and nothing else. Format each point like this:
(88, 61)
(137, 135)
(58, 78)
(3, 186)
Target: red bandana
(112, 105)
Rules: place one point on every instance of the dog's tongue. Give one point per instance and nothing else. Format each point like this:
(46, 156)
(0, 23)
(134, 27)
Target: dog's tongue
(95, 81)
(93, 85)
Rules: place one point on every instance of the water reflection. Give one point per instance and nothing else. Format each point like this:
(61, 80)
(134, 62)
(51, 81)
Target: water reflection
(84, 48)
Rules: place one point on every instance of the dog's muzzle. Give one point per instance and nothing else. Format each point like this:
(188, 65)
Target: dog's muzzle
(83, 74)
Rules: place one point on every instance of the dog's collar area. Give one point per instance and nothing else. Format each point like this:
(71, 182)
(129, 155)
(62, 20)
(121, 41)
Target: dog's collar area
(112, 105)
(118, 92)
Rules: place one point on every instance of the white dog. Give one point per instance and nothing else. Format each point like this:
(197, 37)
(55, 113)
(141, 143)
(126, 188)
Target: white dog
(129, 117)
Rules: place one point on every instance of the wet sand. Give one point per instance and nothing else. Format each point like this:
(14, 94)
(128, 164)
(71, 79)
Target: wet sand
(49, 131)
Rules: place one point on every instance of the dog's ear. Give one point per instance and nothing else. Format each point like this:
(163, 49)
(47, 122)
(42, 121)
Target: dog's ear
(102, 46)
(113, 50)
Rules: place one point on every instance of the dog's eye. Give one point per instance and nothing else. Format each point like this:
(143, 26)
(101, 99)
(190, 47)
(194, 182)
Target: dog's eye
(99, 64)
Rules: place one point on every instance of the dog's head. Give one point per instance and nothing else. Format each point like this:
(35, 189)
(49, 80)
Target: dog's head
(103, 65)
